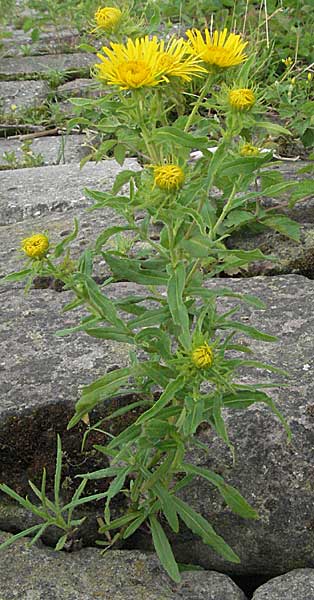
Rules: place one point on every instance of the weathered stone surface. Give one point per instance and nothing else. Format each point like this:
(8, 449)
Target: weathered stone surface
(52, 41)
(52, 189)
(303, 211)
(58, 226)
(56, 149)
(26, 65)
(296, 585)
(37, 572)
(275, 476)
(21, 94)
(83, 88)
(292, 257)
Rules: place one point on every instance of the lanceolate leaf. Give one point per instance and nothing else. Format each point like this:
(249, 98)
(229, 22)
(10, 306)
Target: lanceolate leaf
(172, 388)
(232, 497)
(163, 549)
(176, 303)
(201, 527)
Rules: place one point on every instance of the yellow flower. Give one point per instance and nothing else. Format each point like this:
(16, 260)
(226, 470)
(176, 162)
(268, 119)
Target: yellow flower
(107, 18)
(309, 77)
(168, 177)
(287, 61)
(203, 356)
(131, 66)
(174, 62)
(36, 246)
(249, 150)
(241, 98)
(220, 49)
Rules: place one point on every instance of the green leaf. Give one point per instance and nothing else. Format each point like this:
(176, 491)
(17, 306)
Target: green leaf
(272, 127)
(57, 477)
(168, 505)
(219, 422)
(108, 233)
(136, 271)
(17, 276)
(120, 522)
(119, 153)
(174, 135)
(59, 249)
(163, 549)
(231, 495)
(101, 473)
(150, 317)
(101, 389)
(110, 333)
(176, 304)
(201, 527)
(238, 217)
(134, 526)
(61, 542)
(25, 533)
(105, 306)
(198, 246)
(284, 225)
(248, 330)
(172, 388)
(121, 179)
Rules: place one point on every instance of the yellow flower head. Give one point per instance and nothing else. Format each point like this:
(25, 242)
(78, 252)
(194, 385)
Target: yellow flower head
(249, 150)
(241, 98)
(203, 356)
(220, 49)
(168, 177)
(287, 62)
(173, 61)
(36, 246)
(132, 65)
(107, 18)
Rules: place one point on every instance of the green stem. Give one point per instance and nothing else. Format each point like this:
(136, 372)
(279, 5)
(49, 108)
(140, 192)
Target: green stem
(198, 103)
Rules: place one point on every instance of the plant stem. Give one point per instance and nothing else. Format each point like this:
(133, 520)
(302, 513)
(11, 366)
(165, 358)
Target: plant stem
(198, 103)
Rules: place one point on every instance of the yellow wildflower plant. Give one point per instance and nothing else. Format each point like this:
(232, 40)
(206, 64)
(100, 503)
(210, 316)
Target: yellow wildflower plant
(241, 98)
(249, 150)
(203, 356)
(288, 62)
(219, 49)
(132, 65)
(107, 18)
(168, 177)
(146, 62)
(36, 246)
(175, 62)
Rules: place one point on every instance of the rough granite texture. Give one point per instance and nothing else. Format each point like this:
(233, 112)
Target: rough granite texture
(39, 573)
(10, 68)
(296, 585)
(52, 189)
(292, 257)
(51, 41)
(22, 95)
(276, 477)
(56, 149)
(83, 88)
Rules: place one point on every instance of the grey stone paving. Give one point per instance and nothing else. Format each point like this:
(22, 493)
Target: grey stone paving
(18, 95)
(84, 88)
(35, 192)
(27, 65)
(296, 585)
(52, 41)
(57, 149)
(38, 573)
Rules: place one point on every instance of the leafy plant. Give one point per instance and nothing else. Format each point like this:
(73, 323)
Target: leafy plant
(185, 353)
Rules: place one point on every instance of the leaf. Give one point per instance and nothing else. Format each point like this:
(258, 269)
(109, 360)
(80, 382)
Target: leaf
(134, 526)
(101, 389)
(176, 304)
(238, 217)
(248, 329)
(172, 388)
(57, 477)
(284, 225)
(174, 135)
(136, 271)
(109, 333)
(168, 505)
(198, 246)
(121, 179)
(17, 276)
(101, 473)
(108, 233)
(18, 536)
(219, 422)
(119, 153)
(61, 542)
(59, 249)
(201, 527)
(163, 549)
(150, 317)
(231, 495)
(105, 306)
(272, 127)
